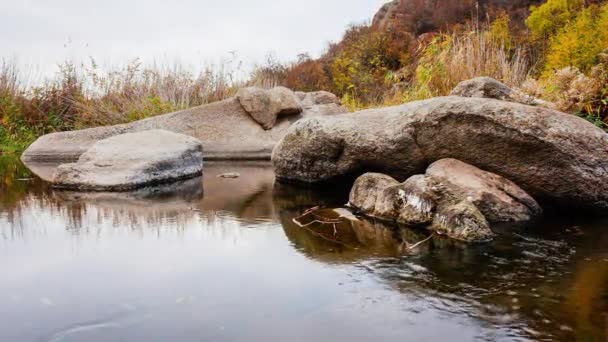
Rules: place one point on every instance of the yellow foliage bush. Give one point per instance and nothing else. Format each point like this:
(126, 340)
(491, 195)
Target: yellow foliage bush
(546, 19)
(363, 64)
(579, 43)
(500, 31)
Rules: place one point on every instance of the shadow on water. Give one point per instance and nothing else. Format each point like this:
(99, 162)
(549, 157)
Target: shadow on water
(549, 282)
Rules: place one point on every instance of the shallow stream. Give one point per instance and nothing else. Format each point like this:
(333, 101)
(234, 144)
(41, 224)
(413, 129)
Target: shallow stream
(215, 259)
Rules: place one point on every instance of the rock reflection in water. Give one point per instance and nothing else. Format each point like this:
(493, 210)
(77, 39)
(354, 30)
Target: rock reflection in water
(521, 280)
(247, 198)
(550, 283)
(346, 241)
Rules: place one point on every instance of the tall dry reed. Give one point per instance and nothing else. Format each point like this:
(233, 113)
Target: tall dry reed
(450, 59)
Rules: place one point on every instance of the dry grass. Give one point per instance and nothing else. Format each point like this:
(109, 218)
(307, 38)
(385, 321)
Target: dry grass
(136, 92)
(474, 55)
(86, 96)
(450, 59)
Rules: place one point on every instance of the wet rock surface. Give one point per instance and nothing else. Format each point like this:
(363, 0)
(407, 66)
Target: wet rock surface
(452, 198)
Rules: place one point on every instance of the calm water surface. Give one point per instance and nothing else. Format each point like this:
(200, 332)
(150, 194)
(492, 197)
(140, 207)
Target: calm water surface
(215, 259)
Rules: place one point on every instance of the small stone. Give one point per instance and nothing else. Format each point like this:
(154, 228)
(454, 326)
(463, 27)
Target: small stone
(229, 175)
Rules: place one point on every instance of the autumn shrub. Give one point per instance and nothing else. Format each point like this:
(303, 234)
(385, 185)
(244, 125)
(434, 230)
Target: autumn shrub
(268, 75)
(551, 16)
(499, 32)
(452, 58)
(28, 113)
(573, 91)
(367, 56)
(308, 74)
(579, 43)
(84, 96)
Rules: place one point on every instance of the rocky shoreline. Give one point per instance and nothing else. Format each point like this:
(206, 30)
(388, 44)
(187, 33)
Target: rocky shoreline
(455, 165)
(228, 130)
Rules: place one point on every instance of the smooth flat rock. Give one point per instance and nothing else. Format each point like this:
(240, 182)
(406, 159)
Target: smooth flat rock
(555, 157)
(227, 131)
(133, 160)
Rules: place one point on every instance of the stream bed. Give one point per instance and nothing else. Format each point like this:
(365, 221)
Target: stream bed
(221, 259)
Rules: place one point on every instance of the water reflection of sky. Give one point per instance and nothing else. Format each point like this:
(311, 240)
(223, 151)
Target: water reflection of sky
(224, 262)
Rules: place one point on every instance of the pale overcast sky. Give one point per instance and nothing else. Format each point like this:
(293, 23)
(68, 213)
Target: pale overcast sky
(46, 32)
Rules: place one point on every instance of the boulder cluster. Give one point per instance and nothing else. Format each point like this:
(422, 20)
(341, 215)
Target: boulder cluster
(466, 160)
(170, 147)
(456, 164)
(452, 197)
(244, 127)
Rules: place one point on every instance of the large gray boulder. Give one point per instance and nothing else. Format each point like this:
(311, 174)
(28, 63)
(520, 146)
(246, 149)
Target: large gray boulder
(133, 160)
(557, 158)
(452, 198)
(226, 129)
(265, 106)
(487, 87)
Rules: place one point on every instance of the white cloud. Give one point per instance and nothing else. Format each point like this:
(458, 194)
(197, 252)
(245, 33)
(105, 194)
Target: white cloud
(114, 31)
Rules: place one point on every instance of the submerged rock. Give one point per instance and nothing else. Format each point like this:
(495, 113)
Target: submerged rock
(229, 175)
(452, 198)
(462, 221)
(226, 129)
(133, 160)
(556, 157)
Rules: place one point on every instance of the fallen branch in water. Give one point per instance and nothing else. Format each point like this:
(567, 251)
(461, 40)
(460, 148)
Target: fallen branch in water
(409, 248)
(320, 220)
(314, 221)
